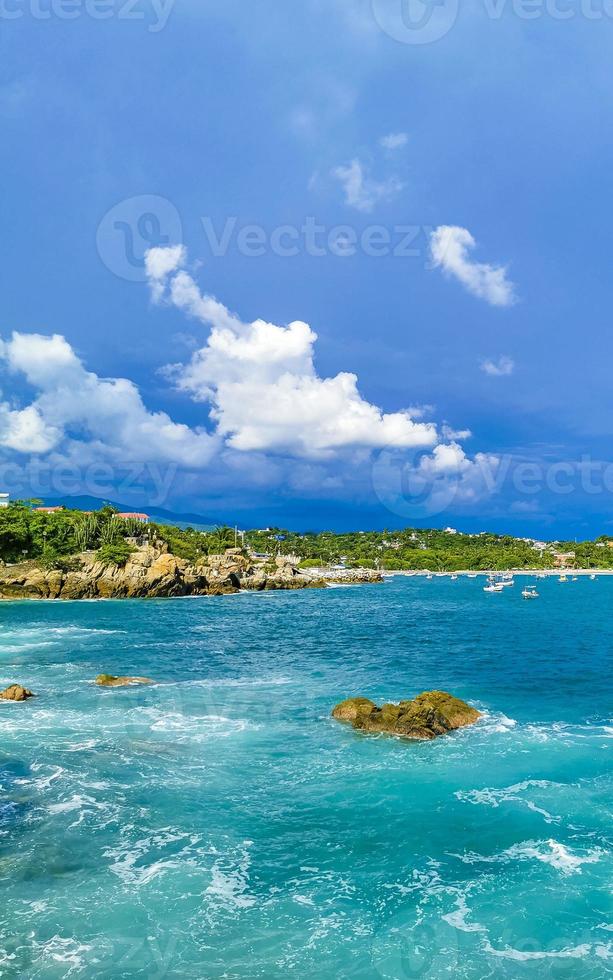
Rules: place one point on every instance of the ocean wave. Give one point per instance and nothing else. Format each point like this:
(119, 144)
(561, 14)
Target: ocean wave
(195, 728)
(494, 723)
(550, 852)
(231, 682)
(18, 641)
(60, 631)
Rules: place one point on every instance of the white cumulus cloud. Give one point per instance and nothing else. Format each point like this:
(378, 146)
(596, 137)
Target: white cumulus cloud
(261, 383)
(74, 406)
(451, 248)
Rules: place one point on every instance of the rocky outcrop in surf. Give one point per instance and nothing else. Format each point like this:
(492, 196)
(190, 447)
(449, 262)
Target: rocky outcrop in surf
(427, 716)
(109, 680)
(151, 571)
(15, 692)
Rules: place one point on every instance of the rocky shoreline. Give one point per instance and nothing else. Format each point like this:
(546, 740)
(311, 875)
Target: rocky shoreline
(152, 571)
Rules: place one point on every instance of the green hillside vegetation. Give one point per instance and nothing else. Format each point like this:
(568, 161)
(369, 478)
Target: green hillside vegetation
(54, 539)
(422, 549)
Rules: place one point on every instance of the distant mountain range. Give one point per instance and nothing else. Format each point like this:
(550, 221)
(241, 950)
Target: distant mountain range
(158, 514)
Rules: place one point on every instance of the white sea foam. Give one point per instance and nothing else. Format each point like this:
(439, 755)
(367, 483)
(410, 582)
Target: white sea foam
(303, 900)
(28, 632)
(48, 775)
(138, 862)
(457, 918)
(510, 794)
(495, 723)
(230, 880)
(509, 953)
(551, 852)
(85, 806)
(68, 951)
(198, 727)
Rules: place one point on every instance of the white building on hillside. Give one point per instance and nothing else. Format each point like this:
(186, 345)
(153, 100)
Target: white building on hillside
(4, 499)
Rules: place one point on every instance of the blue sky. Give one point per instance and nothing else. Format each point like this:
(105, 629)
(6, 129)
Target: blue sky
(165, 124)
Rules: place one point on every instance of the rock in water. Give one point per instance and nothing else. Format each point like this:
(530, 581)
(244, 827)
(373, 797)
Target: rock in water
(15, 692)
(109, 680)
(427, 716)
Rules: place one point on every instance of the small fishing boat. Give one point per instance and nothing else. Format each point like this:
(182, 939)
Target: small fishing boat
(454, 578)
(563, 578)
(472, 575)
(592, 578)
(493, 585)
(530, 592)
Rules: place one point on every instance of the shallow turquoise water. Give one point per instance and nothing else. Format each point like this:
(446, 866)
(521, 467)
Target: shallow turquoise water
(220, 824)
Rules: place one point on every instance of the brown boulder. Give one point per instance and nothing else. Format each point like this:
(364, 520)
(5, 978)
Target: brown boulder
(109, 680)
(15, 692)
(427, 716)
(354, 708)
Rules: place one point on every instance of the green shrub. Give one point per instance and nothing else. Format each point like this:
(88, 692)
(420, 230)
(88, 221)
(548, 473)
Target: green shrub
(114, 554)
(52, 562)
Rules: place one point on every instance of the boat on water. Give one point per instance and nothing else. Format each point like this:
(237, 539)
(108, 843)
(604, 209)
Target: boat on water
(529, 592)
(575, 578)
(493, 587)
(563, 578)
(472, 575)
(592, 578)
(454, 578)
(429, 576)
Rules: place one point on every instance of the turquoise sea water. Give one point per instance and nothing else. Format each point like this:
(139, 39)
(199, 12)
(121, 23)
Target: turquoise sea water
(220, 824)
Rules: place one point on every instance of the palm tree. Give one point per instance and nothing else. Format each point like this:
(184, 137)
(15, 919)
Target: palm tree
(222, 538)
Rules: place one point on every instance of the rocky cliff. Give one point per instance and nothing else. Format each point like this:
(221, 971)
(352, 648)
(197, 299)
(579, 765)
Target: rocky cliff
(151, 572)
